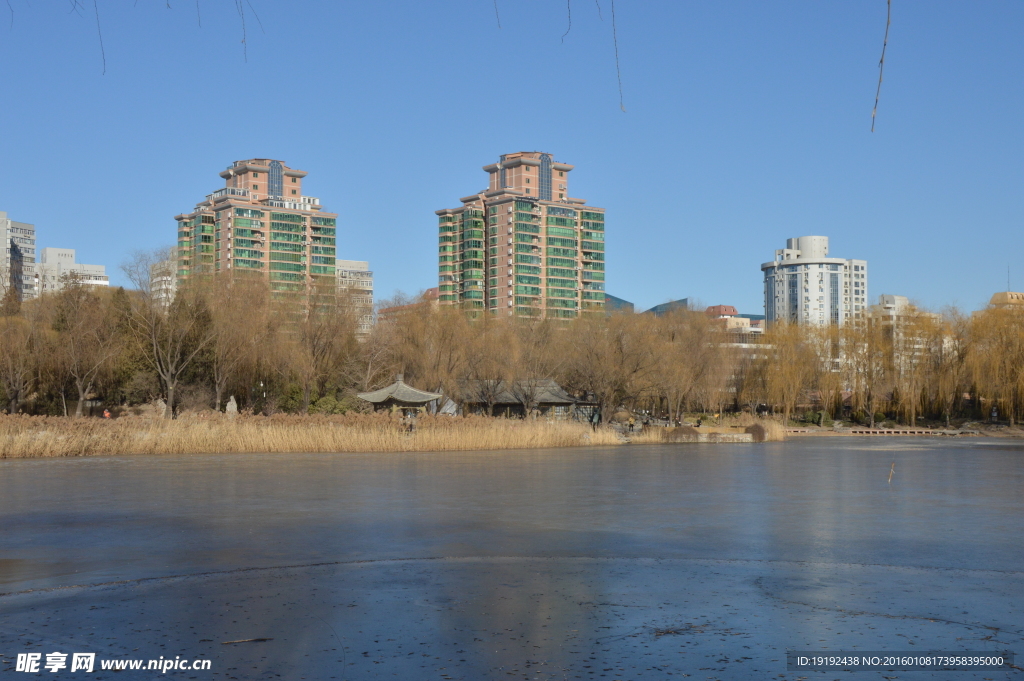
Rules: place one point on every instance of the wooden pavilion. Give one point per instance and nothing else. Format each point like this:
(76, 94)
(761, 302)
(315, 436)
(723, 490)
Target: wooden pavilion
(400, 397)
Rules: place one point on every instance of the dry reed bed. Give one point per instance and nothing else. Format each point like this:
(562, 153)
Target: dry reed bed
(41, 436)
(773, 430)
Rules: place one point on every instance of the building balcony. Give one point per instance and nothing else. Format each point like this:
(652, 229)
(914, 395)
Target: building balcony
(302, 203)
(226, 193)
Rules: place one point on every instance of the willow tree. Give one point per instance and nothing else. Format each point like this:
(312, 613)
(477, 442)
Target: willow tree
(689, 358)
(867, 350)
(790, 365)
(614, 358)
(88, 338)
(997, 358)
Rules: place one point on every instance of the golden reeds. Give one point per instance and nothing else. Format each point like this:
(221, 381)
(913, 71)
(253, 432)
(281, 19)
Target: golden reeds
(772, 429)
(40, 436)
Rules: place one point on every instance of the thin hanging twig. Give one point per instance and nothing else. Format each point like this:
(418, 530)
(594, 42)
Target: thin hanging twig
(496, 15)
(599, 14)
(618, 71)
(241, 13)
(258, 20)
(12, 12)
(881, 62)
(568, 7)
(103, 53)
(199, 17)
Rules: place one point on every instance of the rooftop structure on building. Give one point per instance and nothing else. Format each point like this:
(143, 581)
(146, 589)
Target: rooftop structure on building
(57, 265)
(616, 304)
(671, 306)
(18, 258)
(804, 285)
(355, 277)
(892, 309)
(1007, 299)
(729, 319)
(523, 246)
(260, 221)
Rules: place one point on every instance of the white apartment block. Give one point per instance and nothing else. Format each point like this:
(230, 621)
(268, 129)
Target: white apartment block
(355, 277)
(163, 281)
(56, 263)
(804, 285)
(17, 257)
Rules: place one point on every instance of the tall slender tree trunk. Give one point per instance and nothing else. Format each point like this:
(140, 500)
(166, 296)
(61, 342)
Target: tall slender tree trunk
(83, 390)
(169, 408)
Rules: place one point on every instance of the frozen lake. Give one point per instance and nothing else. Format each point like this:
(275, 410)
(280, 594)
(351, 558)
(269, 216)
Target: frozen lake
(616, 563)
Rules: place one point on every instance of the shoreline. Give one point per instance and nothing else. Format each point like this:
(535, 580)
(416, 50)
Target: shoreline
(904, 432)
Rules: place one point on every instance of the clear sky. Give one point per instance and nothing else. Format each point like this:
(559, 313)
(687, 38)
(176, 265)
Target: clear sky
(746, 123)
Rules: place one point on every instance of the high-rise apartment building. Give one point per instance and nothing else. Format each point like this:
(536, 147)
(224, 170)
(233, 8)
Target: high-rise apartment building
(804, 285)
(18, 258)
(522, 247)
(355, 277)
(56, 263)
(260, 222)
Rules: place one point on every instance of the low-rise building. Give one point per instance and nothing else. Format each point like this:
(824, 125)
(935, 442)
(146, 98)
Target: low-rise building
(616, 304)
(729, 319)
(671, 306)
(57, 264)
(428, 300)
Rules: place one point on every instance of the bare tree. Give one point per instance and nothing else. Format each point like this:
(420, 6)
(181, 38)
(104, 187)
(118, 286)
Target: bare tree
(612, 358)
(17, 360)
(487, 366)
(173, 335)
(321, 338)
(531, 357)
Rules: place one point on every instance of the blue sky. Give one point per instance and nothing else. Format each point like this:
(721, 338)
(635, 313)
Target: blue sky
(746, 123)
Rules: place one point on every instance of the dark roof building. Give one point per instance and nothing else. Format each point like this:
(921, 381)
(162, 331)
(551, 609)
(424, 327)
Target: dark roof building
(543, 395)
(671, 306)
(616, 304)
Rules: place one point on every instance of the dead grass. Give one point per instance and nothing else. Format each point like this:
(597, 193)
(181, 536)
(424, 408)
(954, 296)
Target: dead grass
(42, 436)
(649, 435)
(773, 430)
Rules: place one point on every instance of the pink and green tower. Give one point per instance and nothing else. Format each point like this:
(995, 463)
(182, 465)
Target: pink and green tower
(523, 247)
